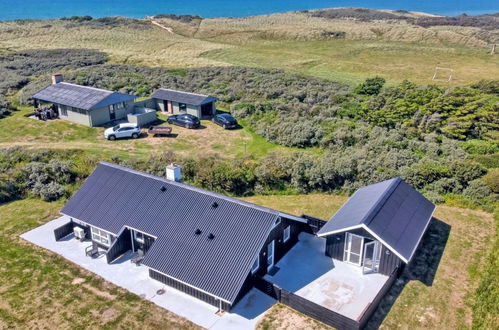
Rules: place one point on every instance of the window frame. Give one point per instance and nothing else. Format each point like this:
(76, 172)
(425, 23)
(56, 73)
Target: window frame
(98, 236)
(286, 234)
(257, 262)
(140, 240)
(63, 110)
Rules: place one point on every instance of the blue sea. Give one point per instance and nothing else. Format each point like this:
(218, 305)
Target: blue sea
(39, 9)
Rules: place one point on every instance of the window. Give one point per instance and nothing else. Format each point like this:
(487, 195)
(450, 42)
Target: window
(277, 222)
(182, 107)
(139, 237)
(256, 265)
(286, 234)
(62, 110)
(100, 236)
(120, 105)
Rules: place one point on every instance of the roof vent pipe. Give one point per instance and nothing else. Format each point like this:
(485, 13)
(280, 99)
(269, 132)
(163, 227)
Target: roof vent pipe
(57, 78)
(174, 172)
(211, 236)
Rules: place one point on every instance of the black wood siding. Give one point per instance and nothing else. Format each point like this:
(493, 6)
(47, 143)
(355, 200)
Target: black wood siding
(366, 315)
(335, 246)
(122, 244)
(148, 241)
(189, 290)
(318, 312)
(281, 247)
(63, 230)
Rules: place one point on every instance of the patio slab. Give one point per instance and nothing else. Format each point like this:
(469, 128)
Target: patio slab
(338, 286)
(245, 315)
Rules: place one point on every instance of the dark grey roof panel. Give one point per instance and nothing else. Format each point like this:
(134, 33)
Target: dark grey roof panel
(358, 208)
(182, 97)
(82, 97)
(392, 210)
(114, 196)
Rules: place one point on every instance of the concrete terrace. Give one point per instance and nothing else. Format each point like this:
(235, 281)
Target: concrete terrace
(121, 272)
(338, 286)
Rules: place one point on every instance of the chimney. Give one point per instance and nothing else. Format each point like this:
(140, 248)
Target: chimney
(174, 172)
(56, 78)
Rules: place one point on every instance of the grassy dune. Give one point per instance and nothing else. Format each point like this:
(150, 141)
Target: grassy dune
(290, 41)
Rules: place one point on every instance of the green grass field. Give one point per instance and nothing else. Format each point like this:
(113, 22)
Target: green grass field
(19, 130)
(447, 302)
(37, 286)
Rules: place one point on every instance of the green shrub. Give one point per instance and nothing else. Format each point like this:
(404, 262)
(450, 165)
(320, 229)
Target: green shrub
(491, 179)
(372, 86)
(477, 190)
(481, 147)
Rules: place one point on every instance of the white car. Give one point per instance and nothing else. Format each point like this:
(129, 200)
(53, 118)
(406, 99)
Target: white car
(122, 131)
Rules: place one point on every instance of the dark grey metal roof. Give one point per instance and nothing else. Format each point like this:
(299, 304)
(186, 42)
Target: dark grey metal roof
(114, 196)
(182, 97)
(391, 210)
(82, 97)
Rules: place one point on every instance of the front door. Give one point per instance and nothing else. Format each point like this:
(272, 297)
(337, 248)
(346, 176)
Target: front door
(353, 249)
(270, 255)
(372, 255)
(112, 112)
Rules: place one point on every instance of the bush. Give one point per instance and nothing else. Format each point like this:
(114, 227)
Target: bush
(480, 147)
(49, 192)
(492, 180)
(372, 86)
(477, 190)
(466, 171)
(423, 173)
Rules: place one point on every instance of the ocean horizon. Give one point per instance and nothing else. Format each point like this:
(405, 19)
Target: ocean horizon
(44, 9)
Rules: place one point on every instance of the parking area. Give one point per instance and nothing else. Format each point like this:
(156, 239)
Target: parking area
(338, 286)
(123, 273)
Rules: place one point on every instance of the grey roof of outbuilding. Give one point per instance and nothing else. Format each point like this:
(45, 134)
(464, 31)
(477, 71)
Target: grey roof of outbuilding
(182, 97)
(391, 210)
(82, 97)
(114, 196)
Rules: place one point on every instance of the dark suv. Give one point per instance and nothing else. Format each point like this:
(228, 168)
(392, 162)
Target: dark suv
(225, 120)
(184, 120)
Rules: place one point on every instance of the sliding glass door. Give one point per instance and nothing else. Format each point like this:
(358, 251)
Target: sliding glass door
(372, 256)
(353, 249)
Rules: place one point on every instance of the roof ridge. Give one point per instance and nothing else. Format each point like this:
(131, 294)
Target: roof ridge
(381, 201)
(192, 188)
(177, 91)
(89, 87)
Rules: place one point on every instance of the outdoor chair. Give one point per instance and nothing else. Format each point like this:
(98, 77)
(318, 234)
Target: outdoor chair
(92, 251)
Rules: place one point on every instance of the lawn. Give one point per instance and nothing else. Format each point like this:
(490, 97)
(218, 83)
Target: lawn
(37, 286)
(19, 130)
(41, 290)
(437, 291)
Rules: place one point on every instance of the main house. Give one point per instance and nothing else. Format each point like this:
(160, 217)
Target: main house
(96, 107)
(216, 248)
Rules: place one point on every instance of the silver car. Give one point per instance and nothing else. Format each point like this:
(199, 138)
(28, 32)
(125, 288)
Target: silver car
(122, 131)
